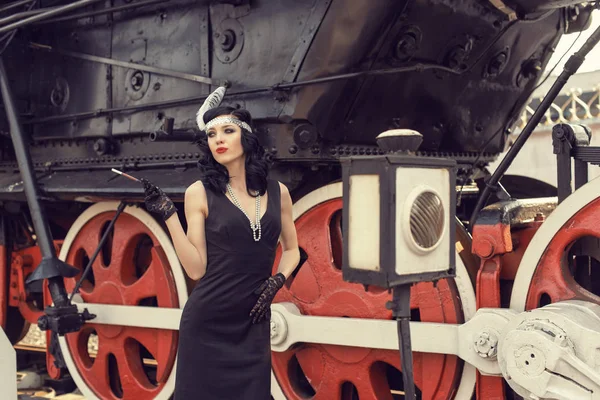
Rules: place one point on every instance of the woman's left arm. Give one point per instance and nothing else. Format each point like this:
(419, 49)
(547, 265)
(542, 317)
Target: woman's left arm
(290, 256)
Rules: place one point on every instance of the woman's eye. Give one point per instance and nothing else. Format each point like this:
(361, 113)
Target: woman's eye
(229, 130)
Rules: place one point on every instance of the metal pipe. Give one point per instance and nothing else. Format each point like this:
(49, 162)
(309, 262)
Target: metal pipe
(141, 107)
(401, 312)
(571, 66)
(124, 64)
(50, 268)
(100, 12)
(24, 14)
(25, 165)
(189, 135)
(48, 14)
(14, 5)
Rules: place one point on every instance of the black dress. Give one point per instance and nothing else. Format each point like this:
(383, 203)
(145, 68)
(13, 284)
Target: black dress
(221, 354)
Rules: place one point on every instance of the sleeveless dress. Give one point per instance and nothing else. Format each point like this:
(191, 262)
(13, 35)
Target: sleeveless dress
(221, 354)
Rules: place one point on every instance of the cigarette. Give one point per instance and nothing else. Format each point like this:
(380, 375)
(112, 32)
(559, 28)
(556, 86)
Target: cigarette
(116, 171)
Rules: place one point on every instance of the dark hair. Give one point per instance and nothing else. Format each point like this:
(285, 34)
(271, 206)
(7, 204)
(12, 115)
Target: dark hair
(215, 176)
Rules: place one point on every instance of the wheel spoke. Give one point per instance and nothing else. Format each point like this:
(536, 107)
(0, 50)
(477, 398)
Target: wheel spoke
(142, 288)
(122, 266)
(126, 229)
(78, 341)
(329, 389)
(99, 371)
(162, 346)
(372, 383)
(137, 385)
(317, 242)
(312, 362)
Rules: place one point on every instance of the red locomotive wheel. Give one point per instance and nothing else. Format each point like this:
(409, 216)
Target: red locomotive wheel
(570, 261)
(132, 269)
(330, 372)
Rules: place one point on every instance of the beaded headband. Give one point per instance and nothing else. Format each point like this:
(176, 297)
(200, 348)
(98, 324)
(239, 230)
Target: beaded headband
(227, 120)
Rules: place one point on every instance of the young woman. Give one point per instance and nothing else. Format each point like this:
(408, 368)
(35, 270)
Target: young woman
(235, 217)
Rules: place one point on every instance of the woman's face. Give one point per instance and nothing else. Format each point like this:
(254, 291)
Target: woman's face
(225, 142)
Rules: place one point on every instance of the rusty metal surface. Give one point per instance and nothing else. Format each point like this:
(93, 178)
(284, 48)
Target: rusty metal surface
(516, 212)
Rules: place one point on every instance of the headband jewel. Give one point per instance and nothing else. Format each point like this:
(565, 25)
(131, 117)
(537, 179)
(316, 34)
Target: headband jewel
(213, 101)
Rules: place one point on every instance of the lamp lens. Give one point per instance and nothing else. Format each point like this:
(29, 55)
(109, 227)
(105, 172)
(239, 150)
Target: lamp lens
(427, 220)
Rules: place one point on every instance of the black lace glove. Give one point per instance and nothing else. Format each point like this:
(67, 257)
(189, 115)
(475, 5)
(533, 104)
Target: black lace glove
(157, 201)
(267, 292)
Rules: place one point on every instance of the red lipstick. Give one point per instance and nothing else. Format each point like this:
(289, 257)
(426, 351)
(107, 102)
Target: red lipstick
(221, 150)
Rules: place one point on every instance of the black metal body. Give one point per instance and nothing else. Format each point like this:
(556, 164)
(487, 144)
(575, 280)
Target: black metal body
(321, 78)
(400, 306)
(566, 140)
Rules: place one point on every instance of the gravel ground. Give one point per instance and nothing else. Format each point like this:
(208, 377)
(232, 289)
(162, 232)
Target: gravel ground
(35, 337)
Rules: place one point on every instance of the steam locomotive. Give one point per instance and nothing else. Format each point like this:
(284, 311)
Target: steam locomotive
(91, 85)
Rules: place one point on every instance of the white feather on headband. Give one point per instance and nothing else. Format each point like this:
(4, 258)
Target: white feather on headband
(212, 101)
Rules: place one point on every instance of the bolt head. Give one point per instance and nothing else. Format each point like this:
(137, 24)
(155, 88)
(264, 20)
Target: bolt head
(406, 46)
(43, 323)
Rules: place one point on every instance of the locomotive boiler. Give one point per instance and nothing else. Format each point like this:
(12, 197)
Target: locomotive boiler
(92, 85)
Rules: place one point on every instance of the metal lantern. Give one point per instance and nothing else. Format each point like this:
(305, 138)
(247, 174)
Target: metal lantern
(398, 216)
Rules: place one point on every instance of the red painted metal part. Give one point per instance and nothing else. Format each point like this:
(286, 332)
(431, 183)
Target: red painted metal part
(489, 242)
(122, 282)
(552, 276)
(23, 263)
(318, 289)
(521, 239)
(3, 286)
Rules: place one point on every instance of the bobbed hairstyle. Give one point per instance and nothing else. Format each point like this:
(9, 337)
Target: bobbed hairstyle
(215, 176)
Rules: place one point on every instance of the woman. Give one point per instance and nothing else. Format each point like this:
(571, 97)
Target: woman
(235, 217)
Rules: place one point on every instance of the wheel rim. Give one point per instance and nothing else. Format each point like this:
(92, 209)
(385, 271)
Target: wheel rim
(140, 269)
(338, 372)
(546, 272)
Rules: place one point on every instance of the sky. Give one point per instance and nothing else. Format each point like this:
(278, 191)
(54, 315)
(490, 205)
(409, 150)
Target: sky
(592, 60)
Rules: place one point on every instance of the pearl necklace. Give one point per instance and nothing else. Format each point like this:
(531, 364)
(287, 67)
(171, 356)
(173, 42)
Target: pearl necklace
(254, 226)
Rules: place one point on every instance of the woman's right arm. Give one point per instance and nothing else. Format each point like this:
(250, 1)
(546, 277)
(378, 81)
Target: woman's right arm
(191, 247)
